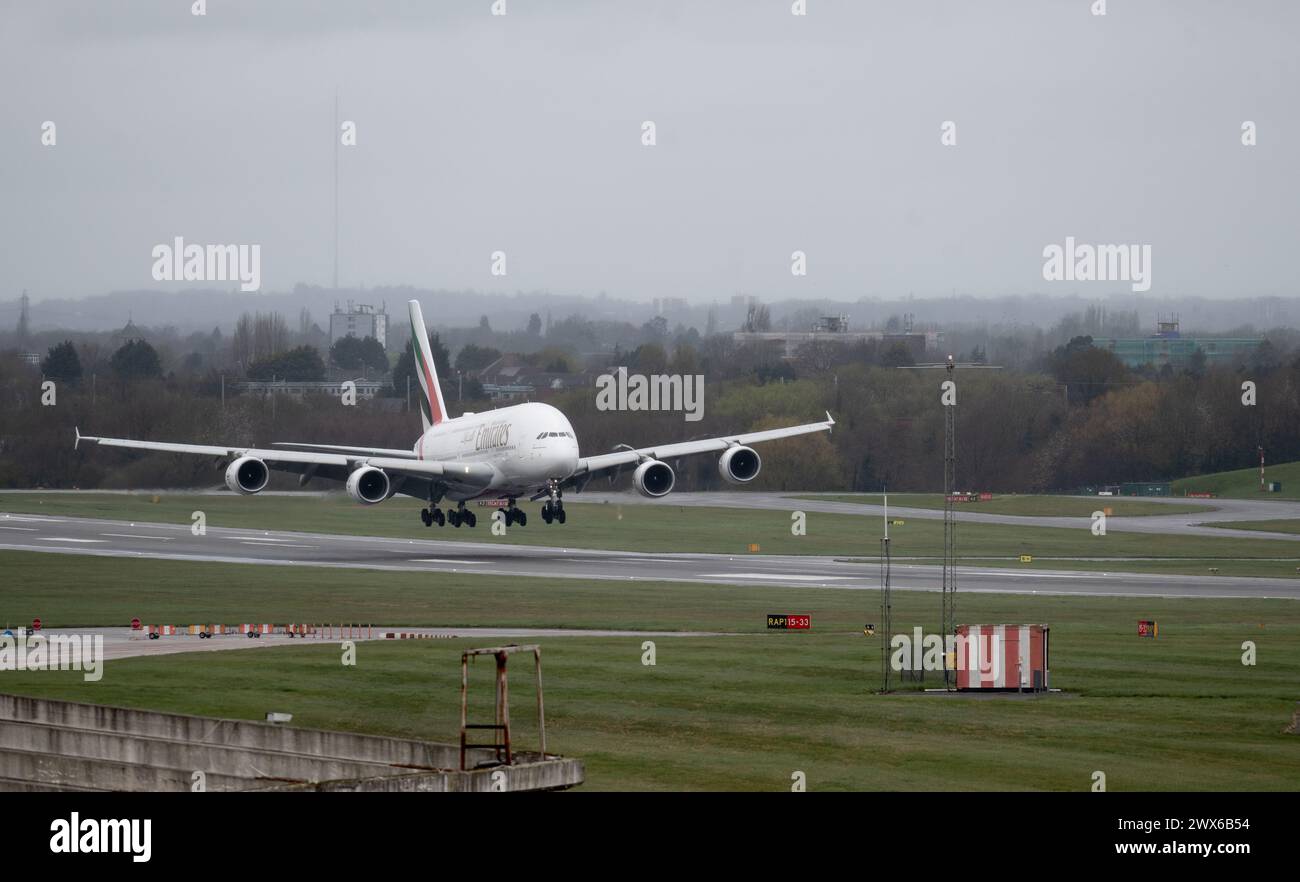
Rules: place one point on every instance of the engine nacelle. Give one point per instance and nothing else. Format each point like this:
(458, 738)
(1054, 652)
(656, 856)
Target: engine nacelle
(739, 465)
(248, 474)
(654, 478)
(368, 485)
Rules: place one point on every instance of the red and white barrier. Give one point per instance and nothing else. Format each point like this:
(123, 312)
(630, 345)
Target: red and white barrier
(1002, 656)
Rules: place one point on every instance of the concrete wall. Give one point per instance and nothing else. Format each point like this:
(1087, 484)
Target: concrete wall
(70, 745)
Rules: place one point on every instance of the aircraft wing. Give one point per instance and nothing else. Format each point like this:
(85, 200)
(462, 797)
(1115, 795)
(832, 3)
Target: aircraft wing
(333, 465)
(602, 461)
(356, 451)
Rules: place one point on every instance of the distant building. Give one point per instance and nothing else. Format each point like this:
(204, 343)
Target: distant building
(366, 388)
(359, 320)
(1169, 347)
(510, 378)
(835, 328)
(130, 331)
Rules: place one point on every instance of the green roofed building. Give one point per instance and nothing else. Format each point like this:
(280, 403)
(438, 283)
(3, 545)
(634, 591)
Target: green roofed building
(1169, 347)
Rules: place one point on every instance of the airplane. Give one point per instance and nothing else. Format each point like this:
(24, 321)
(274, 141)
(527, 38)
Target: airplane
(525, 450)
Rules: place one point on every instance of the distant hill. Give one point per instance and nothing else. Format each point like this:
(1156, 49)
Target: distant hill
(1244, 483)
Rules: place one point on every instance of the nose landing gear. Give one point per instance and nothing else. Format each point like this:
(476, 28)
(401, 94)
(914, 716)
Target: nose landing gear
(553, 510)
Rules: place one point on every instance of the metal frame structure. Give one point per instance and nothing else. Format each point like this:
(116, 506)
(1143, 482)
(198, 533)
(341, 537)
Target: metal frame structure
(886, 607)
(949, 624)
(504, 750)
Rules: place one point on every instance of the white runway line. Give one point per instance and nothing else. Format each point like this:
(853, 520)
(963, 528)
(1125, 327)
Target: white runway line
(10, 517)
(68, 539)
(447, 561)
(137, 536)
(282, 545)
(28, 529)
(784, 577)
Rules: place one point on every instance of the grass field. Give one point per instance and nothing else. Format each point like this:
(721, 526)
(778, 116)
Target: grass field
(1244, 483)
(1024, 506)
(1281, 525)
(735, 712)
(664, 527)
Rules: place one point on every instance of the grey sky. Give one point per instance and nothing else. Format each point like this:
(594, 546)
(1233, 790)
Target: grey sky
(775, 133)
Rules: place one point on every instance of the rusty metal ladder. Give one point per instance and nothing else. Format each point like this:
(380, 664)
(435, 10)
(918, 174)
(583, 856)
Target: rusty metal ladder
(502, 746)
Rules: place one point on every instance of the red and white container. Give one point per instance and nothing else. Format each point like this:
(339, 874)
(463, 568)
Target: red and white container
(1005, 657)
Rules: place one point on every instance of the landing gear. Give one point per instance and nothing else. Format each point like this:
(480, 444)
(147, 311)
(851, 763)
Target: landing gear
(431, 516)
(553, 510)
(516, 515)
(461, 515)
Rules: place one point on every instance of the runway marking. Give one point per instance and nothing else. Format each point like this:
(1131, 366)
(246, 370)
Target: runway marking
(284, 544)
(447, 561)
(67, 539)
(37, 520)
(784, 577)
(137, 536)
(640, 559)
(259, 539)
(28, 529)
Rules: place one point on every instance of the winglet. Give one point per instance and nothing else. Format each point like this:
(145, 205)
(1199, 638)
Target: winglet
(78, 441)
(830, 419)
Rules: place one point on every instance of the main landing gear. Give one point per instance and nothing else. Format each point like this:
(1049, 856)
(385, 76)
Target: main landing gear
(432, 516)
(454, 516)
(516, 515)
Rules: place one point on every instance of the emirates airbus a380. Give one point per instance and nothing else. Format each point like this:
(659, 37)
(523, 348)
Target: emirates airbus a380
(526, 450)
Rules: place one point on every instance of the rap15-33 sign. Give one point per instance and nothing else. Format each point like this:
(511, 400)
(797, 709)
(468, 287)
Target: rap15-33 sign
(788, 622)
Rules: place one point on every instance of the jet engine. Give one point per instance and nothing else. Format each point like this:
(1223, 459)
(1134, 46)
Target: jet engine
(739, 465)
(654, 478)
(248, 474)
(368, 485)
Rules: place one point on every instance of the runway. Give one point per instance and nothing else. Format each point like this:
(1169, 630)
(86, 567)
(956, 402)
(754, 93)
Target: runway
(88, 536)
(1175, 523)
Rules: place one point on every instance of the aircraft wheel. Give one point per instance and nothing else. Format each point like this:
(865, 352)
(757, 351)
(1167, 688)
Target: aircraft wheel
(559, 516)
(438, 517)
(521, 519)
(454, 517)
(546, 513)
(471, 519)
(426, 517)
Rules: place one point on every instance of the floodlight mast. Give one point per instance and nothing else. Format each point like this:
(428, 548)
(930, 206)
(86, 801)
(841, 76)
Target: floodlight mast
(949, 625)
(886, 607)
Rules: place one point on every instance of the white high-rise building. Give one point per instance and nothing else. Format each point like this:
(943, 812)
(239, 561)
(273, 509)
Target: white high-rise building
(359, 320)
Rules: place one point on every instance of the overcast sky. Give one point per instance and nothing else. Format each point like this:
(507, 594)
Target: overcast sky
(775, 133)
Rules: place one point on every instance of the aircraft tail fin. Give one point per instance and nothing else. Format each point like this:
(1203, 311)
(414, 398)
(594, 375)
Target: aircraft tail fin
(432, 408)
